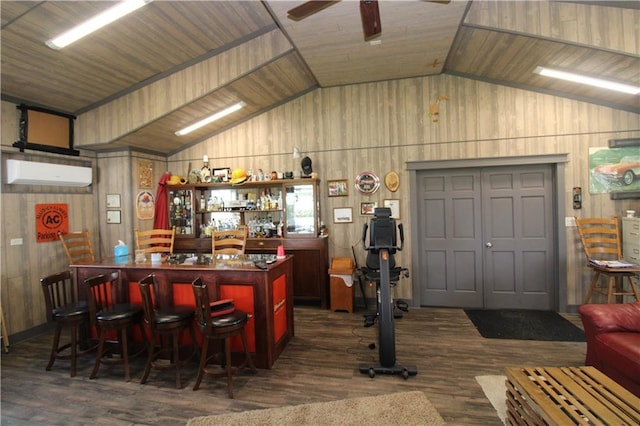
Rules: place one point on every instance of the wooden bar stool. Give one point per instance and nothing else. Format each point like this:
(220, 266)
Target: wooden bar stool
(221, 327)
(64, 308)
(107, 314)
(162, 321)
(156, 240)
(232, 241)
(77, 246)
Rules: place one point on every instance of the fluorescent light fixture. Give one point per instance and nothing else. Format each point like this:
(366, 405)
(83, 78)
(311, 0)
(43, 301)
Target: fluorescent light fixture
(93, 24)
(218, 115)
(591, 81)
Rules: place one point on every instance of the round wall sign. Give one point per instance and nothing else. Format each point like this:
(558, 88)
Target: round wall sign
(367, 182)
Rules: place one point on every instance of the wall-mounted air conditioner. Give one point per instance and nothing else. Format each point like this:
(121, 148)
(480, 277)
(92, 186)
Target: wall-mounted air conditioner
(34, 173)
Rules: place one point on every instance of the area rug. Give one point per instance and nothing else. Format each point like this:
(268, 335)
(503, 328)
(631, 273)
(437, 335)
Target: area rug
(524, 325)
(495, 390)
(404, 408)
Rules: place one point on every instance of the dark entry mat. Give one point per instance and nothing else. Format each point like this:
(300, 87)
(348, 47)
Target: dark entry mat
(524, 325)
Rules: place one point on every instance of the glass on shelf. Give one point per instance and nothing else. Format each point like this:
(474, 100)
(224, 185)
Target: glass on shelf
(180, 211)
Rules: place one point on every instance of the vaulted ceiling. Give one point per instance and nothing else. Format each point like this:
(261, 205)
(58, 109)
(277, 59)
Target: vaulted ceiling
(173, 62)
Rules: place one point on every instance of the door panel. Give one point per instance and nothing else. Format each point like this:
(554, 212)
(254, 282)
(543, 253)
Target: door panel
(486, 237)
(517, 216)
(451, 257)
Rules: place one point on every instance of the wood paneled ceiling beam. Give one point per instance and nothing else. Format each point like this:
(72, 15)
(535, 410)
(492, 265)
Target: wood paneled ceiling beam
(210, 54)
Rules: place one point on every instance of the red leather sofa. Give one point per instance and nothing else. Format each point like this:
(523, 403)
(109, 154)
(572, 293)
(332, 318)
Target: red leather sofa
(613, 341)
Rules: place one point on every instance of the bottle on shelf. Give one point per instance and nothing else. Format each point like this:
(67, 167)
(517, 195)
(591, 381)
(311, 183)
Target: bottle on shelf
(203, 202)
(210, 203)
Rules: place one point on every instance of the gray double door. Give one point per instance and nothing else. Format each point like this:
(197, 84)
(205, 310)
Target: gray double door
(486, 237)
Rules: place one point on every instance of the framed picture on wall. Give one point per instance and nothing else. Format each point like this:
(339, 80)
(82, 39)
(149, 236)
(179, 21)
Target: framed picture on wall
(394, 205)
(113, 201)
(342, 215)
(221, 174)
(366, 209)
(113, 216)
(338, 188)
(145, 174)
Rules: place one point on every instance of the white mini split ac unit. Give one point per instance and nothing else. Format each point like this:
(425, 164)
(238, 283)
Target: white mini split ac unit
(34, 173)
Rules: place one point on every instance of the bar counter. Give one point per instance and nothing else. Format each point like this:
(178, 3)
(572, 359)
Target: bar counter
(265, 294)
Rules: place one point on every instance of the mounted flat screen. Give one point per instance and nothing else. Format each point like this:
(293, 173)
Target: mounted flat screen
(45, 130)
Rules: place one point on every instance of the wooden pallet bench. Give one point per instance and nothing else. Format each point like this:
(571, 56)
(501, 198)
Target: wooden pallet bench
(568, 396)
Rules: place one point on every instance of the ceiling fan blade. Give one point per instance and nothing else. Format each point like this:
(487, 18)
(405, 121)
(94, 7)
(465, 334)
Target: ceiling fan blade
(440, 1)
(308, 8)
(370, 14)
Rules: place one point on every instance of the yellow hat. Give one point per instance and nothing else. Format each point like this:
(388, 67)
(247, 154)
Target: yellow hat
(238, 176)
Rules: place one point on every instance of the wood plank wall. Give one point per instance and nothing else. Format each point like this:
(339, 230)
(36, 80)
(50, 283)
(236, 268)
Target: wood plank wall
(379, 126)
(23, 265)
(345, 130)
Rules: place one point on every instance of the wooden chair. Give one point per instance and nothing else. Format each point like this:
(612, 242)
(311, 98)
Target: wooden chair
(108, 314)
(601, 241)
(77, 246)
(63, 307)
(156, 240)
(232, 241)
(162, 321)
(222, 327)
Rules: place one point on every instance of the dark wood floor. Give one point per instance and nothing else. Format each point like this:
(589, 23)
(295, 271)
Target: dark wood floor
(320, 364)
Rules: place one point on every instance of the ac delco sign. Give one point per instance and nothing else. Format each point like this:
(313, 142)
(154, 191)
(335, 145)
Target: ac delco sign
(51, 219)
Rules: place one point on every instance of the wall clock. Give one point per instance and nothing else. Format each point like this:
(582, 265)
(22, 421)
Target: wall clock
(367, 182)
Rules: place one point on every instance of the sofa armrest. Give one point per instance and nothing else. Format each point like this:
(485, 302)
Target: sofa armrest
(608, 318)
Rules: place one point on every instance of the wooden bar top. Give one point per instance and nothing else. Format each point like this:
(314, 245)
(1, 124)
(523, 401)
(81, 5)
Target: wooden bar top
(244, 262)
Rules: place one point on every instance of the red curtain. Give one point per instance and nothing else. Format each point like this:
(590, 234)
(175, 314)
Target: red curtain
(161, 217)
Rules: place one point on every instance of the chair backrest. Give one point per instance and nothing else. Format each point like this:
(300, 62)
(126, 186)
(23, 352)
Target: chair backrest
(148, 292)
(600, 237)
(232, 241)
(156, 240)
(77, 246)
(102, 292)
(58, 291)
(203, 312)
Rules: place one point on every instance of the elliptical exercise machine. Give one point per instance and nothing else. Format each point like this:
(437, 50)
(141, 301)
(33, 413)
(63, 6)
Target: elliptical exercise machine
(382, 270)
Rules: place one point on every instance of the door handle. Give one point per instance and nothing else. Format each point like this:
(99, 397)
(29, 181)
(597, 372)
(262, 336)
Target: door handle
(488, 245)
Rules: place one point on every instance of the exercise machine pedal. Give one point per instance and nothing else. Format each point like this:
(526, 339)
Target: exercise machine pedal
(402, 305)
(404, 371)
(369, 319)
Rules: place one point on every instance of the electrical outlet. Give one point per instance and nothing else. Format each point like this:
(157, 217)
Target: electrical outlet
(16, 241)
(569, 221)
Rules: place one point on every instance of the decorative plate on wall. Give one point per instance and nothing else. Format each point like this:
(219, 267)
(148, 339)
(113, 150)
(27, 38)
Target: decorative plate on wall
(367, 182)
(392, 181)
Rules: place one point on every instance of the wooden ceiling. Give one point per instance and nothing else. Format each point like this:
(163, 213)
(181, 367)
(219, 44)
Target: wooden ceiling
(189, 58)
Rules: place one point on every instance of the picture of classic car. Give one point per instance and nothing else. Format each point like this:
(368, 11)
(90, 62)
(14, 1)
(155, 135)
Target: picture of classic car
(625, 171)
